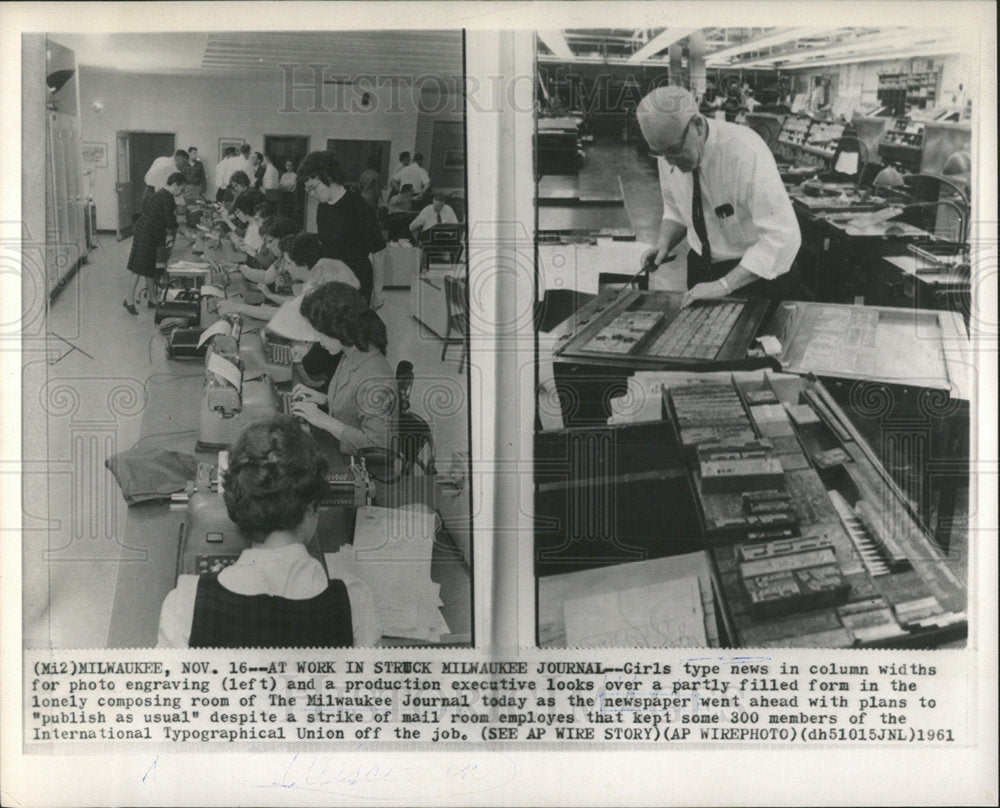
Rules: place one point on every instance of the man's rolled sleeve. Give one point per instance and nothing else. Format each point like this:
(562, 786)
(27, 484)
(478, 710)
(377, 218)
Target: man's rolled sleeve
(777, 228)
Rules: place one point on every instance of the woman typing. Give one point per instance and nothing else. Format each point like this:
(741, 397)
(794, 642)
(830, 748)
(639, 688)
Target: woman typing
(362, 401)
(301, 267)
(276, 594)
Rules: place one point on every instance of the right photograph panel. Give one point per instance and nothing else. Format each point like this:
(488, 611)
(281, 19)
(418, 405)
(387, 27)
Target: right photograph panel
(754, 368)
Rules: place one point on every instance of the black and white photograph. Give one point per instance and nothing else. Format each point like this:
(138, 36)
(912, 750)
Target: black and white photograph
(495, 403)
(249, 424)
(755, 369)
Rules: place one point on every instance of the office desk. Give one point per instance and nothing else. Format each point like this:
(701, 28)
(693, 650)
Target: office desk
(555, 590)
(838, 261)
(597, 219)
(427, 299)
(400, 264)
(171, 421)
(562, 189)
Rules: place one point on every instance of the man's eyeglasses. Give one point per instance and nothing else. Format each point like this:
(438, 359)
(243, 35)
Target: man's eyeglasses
(672, 152)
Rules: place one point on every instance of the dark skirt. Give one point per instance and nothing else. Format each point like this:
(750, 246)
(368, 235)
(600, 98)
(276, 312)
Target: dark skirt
(150, 234)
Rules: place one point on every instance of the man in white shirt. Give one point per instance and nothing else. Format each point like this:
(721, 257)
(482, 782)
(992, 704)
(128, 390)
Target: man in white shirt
(720, 188)
(245, 163)
(163, 167)
(158, 174)
(413, 174)
(439, 212)
(271, 178)
(404, 161)
(223, 171)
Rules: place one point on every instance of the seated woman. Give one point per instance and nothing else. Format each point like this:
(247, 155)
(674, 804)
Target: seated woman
(276, 594)
(362, 402)
(346, 224)
(261, 268)
(252, 240)
(240, 188)
(301, 267)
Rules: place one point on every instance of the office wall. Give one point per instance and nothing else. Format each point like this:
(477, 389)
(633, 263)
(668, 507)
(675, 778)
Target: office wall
(201, 110)
(860, 80)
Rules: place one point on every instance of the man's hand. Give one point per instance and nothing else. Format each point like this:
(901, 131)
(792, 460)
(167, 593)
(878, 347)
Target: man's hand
(230, 307)
(713, 290)
(655, 256)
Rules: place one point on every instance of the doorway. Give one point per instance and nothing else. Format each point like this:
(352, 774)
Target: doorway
(285, 147)
(136, 152)
(353, 156)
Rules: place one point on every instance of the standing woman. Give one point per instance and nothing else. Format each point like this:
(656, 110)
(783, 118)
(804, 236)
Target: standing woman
(369, 183)
(157, 219)
(346, 225)
(362, 401)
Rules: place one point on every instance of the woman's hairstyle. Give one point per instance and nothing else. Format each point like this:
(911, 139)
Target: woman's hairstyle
(323, 166)
(239, 178)
(340, 311)
(259, 155)
(278, 227)
(276, 473)
(177, 178)
(305, 249)
(264, 209)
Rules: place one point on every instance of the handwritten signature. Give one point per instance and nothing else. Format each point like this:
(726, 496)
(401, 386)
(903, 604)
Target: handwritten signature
(330, 774)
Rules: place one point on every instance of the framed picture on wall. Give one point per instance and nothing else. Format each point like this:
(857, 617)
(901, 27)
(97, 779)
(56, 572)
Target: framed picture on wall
(95, 154)
(226, 142)
(453, 159)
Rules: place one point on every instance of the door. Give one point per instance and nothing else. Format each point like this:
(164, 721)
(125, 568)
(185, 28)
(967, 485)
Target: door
(123, 186)
(354, 155)
(137, 155)
(285, 147)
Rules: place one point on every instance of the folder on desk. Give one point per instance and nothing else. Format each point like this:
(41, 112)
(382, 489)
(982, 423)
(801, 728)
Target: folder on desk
(392, 554)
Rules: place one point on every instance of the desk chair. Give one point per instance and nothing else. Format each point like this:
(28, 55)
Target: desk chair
(456, 295)
(411, 449)
(441, 243)
(397, 225)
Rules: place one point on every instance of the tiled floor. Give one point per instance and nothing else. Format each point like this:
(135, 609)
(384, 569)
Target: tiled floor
(87, 405)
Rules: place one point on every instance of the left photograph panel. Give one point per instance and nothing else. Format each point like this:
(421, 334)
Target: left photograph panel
(244, 345)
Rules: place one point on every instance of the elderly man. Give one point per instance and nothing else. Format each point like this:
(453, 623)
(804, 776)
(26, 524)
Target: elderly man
(722, 190)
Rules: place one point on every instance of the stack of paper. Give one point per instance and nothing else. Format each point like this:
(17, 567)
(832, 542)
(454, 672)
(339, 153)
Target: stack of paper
(392, 554)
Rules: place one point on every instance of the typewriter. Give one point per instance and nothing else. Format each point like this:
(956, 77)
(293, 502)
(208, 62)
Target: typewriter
(210, 541)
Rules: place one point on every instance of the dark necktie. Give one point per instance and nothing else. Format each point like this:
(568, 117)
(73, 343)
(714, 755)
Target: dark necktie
(698, 219)
(439, 216)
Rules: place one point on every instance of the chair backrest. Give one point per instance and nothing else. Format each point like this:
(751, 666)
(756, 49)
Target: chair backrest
(413, 442)
(456, 295)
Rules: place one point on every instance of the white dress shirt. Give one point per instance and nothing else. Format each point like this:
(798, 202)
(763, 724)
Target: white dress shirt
(225, 170)
(413, 175)
(270, 179)
(748, 214)
(160, 171)
(428, 218)
(287, 572)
